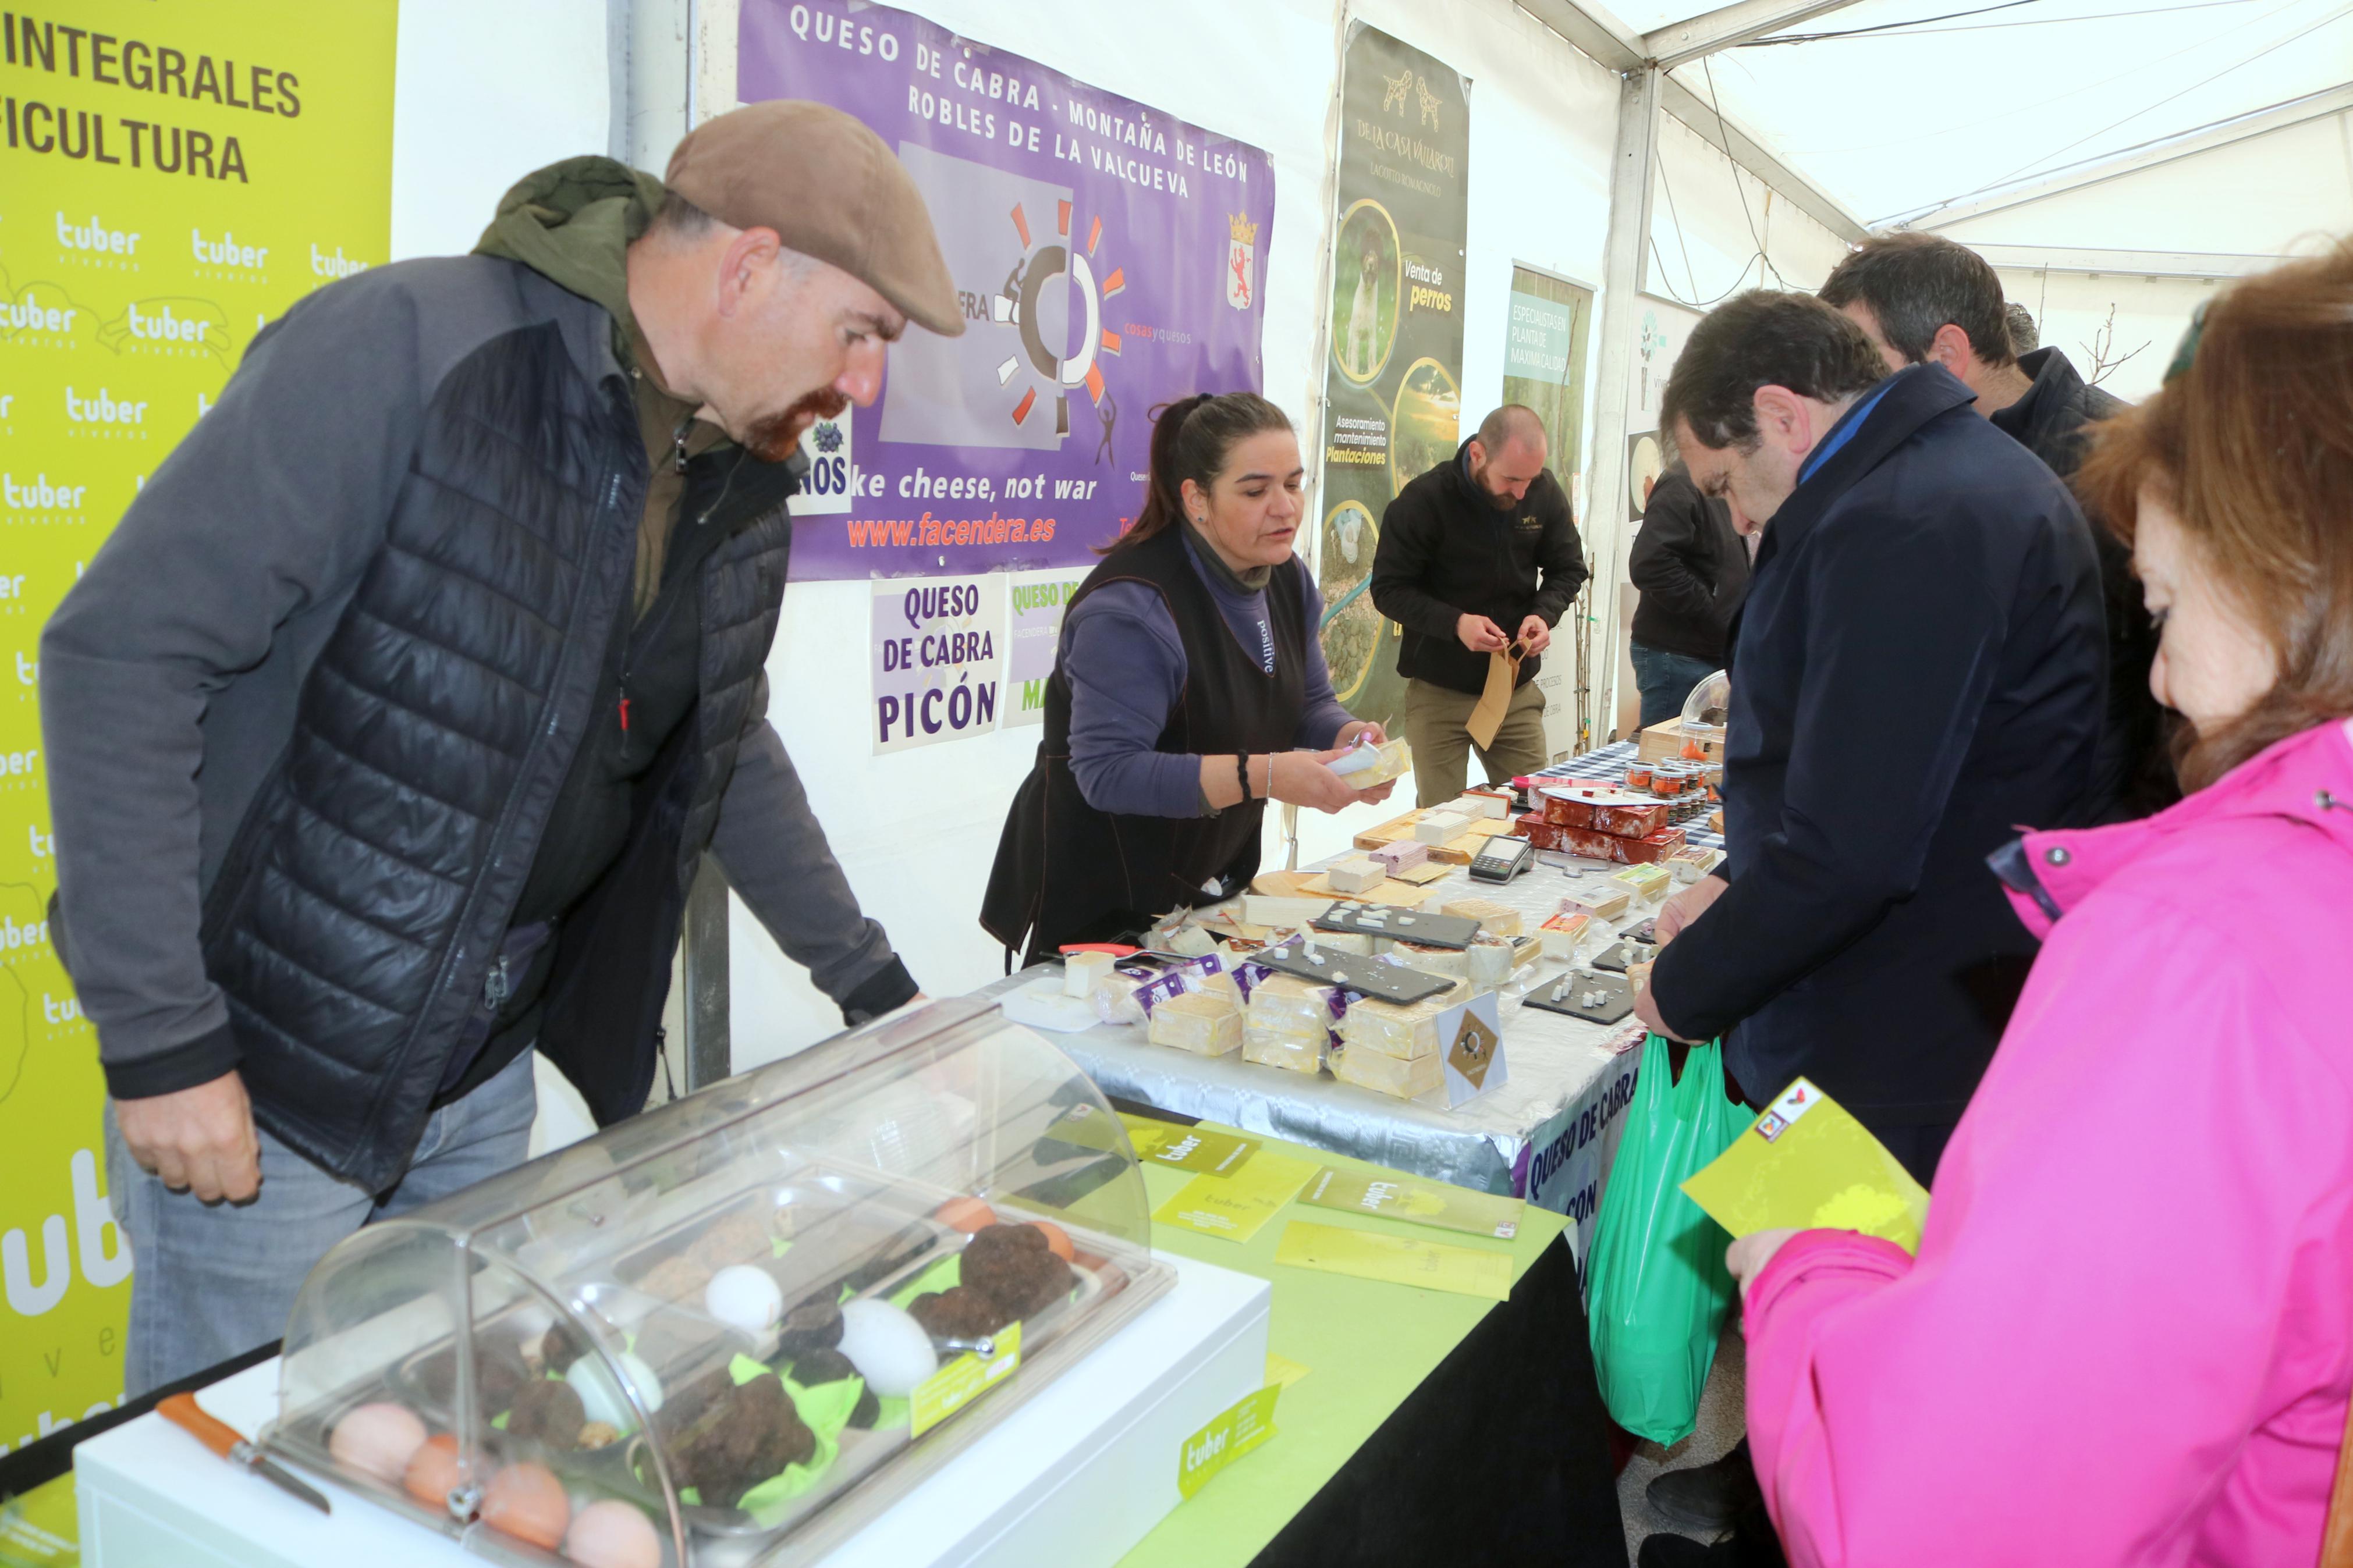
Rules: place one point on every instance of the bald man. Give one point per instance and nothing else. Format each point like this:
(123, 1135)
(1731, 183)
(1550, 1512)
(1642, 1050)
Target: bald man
(1477, 557)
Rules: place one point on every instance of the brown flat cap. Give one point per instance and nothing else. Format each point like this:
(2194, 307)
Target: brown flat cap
(831, 188)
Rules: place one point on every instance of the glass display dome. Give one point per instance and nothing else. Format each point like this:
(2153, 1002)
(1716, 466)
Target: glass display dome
(1705, 708)
(734, 1330)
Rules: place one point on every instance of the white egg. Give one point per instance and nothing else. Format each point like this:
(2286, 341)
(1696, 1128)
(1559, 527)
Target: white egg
(889, 1349)
(745, 1298)
(600, 1400)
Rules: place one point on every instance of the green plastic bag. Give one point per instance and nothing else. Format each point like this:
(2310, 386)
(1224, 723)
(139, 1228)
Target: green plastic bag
(1656, 1288)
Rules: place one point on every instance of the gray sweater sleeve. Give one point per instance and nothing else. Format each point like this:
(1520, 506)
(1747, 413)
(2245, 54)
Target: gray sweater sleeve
(776, 856)
(272, 504)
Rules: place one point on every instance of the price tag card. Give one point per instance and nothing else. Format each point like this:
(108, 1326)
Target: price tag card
(1198, 1149)
(1396, 1259)
(1226, 1438)
(1234, 1207)
(962, 1380)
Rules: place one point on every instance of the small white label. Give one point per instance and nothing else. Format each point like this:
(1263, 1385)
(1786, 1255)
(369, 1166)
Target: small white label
(1793, 1102)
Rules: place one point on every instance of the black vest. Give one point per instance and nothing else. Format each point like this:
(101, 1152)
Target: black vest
(368, 887)
(1066, 872)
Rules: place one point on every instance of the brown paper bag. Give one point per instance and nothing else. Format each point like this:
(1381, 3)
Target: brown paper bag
(1503, 676)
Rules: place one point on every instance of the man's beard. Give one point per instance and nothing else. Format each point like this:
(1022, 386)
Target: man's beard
(772, 439)
(1503, 503)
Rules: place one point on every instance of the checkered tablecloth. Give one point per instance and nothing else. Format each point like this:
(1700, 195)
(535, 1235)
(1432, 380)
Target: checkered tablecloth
(1608, 765)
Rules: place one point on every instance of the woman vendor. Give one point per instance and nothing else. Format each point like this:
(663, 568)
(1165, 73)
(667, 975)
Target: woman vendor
(1188, 689)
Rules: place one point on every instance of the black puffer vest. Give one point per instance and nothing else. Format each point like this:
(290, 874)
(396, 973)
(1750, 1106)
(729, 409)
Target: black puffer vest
(368, 888)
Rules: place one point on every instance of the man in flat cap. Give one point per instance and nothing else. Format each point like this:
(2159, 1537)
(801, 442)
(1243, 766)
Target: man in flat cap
(390, 727)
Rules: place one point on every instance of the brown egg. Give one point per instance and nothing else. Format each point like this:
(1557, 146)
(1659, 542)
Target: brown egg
(377, 1440)
(433, 1471)
(1058, 1240)
(527, 1503)
(965, 1213)
(613, 1535)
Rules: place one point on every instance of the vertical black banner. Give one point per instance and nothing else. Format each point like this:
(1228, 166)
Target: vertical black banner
(1392, 377)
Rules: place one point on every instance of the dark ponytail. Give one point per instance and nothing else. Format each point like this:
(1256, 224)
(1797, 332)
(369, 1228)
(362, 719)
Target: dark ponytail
(1191, 439)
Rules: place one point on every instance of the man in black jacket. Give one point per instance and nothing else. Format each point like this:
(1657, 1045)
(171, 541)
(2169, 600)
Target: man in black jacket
(1925, 299)
(1919, 671)
(1477, 546)
(1691, 566)
(391, 725)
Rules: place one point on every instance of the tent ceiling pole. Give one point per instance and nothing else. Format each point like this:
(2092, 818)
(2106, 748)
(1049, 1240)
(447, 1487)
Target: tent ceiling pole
(1679, 43)
(1633, 176)
(1609, 46)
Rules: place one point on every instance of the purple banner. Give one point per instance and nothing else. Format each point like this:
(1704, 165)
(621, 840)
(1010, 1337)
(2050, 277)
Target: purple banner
(1109, 258)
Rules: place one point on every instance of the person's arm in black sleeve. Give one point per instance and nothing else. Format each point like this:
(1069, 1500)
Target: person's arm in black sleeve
(1901, 651)
(777, 859)
(273, 504)
(1401, 566)
(1560, 556)
(1675, 528)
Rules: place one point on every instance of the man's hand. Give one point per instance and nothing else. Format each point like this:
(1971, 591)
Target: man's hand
(1535, 636)
(1688, 906)
(1480, 634)
(1646, 1007)
(1747, 1257)
(197, 1140)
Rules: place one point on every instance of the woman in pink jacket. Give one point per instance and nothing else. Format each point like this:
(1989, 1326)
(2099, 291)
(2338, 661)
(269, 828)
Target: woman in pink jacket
(2128, 1335)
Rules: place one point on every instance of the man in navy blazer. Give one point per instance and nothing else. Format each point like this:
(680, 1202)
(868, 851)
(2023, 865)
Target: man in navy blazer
(1920, 671)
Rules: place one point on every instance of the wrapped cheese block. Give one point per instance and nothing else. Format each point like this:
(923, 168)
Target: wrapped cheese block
(1479, 803)
(1494, 919)
(1386, 1029)
(1562, 933)
(1405, 1078)
(1600, 897)
(1688, 863)
(1608, 811)
(1205, 1023)
(1276, 1048)
(1488, 962)
(1357, 874)
(1648, 881)
(1402, 855)
(1285, 1002)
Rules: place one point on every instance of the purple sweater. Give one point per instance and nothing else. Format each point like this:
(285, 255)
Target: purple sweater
(1126, 663)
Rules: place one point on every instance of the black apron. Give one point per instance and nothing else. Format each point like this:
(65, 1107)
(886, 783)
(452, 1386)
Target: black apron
(1066, 872)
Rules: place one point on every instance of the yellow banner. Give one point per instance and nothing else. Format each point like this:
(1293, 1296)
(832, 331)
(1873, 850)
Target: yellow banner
(173, 175)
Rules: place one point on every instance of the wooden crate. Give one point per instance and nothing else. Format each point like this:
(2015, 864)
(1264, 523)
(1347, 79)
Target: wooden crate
(1663, 742)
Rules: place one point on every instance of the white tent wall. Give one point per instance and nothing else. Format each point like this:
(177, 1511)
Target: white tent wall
(2111, 317)
(1704, 247)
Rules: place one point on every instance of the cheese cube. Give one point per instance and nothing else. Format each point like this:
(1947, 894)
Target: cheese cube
(1081, 969)
(1403, 1078)
(1441, 827)
(1494, 919)
(1479, 804)
(1356, 875)
(1204, 1023)
(1488, 963)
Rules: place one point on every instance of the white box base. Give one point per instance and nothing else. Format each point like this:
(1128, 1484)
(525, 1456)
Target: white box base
(1074, 1477)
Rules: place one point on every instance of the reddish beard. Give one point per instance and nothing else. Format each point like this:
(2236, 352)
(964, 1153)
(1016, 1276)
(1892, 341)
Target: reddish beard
(772, 439)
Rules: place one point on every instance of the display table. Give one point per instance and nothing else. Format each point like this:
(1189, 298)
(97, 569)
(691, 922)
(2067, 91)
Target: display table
(1429, 1429)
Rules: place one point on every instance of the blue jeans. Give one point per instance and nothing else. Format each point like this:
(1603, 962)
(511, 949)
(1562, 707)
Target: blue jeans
(1666, 680)
(209, 1281)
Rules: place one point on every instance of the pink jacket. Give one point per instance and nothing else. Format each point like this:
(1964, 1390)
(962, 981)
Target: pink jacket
(2128, 1336)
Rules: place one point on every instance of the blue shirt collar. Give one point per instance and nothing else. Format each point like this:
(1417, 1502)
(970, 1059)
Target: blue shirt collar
(1843, 431)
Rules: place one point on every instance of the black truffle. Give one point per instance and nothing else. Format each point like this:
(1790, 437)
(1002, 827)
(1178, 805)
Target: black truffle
(739, 1439)
(819, 1367)
(499, 1376)
(962, 1313)
(1013, 1265)
(811, 1326)
(548, 1413)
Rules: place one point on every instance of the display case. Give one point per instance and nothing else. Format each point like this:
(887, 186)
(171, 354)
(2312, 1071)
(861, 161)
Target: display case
(734, 1330)
(1706, 709)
